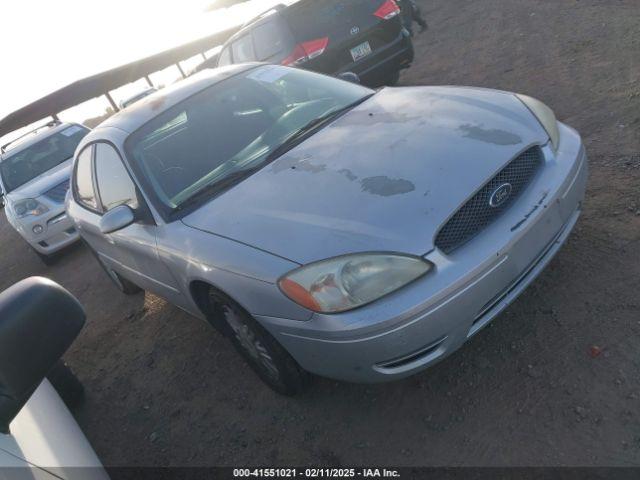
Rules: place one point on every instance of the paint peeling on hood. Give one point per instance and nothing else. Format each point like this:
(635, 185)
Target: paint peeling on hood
(493, 135)
(386, 187)
(383, 177)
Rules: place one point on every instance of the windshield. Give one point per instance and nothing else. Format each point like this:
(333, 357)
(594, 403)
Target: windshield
(31, 162)
(232, 127)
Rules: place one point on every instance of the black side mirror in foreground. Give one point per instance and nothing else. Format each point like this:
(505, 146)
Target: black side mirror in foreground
(350, 77)
(39, 320)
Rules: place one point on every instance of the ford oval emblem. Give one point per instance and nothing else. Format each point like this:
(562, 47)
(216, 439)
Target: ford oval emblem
(500, 195)
(355, 30)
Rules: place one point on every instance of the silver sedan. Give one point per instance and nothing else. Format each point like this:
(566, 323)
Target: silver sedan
(325, 227)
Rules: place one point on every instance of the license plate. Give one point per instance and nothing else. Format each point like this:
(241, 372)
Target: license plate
(361, 51)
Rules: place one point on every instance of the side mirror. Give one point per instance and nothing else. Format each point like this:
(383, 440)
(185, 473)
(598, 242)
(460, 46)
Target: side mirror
(39, 320)
(350, 77)
(117, 219)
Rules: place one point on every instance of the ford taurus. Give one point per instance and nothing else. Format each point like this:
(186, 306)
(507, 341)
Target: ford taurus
(326, 227)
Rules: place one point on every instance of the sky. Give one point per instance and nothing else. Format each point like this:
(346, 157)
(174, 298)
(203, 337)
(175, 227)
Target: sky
(47, 44)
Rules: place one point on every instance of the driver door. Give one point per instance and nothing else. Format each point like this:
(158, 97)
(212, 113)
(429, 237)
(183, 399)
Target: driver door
(102, 183)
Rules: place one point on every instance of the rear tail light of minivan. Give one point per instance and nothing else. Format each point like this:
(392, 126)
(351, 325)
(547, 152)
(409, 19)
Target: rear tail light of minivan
(306, 51)
(388, 10)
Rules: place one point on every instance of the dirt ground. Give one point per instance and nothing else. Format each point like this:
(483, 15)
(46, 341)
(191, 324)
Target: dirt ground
(164, 389)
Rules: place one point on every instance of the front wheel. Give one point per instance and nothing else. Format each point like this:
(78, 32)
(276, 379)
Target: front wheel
(271, 362)
(48, 260)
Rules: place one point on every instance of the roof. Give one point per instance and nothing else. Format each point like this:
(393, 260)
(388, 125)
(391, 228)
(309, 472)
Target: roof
(265, 14)
(260, 18)
(133, 117)
(97, 85)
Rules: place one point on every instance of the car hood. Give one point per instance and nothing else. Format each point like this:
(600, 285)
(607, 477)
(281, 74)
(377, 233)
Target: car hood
(43, 183)
(383, 177)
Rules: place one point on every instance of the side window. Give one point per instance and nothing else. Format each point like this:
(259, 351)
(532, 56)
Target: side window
(114, 183)
(225, 57)
(268, 39)
(83, 181)
(243, 50)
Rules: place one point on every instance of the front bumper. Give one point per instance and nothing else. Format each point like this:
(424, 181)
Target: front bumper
(58, 231)
(426, 321)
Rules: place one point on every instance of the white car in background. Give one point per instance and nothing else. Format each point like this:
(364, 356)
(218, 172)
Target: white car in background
(39, 438)
(34, 176)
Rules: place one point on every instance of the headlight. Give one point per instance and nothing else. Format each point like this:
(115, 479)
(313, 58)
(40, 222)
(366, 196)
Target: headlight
(344, 283)
(28, 207)
(545, 116)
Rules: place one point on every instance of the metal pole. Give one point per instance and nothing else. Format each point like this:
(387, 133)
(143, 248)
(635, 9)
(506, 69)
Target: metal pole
(181, 71)
(113, 104)
(149, 82)
(55, 117)
(203, 56)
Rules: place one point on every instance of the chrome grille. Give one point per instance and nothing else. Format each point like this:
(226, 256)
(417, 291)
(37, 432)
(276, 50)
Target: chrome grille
(58, 192)
(477, 213)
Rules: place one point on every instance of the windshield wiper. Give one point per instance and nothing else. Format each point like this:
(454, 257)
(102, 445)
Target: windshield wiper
(293, 139)
(236, 177)
(217, 187)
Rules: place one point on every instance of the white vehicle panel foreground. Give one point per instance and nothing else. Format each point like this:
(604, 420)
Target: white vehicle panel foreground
(39, 438)
(46, 435)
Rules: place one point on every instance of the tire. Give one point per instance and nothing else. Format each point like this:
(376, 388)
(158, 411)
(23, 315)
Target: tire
(266, 357)
(393, 79)
(67, 385)
(48, 260)
(125, 286)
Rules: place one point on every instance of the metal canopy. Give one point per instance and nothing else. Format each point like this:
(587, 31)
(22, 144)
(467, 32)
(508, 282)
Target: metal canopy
(101, 84)
(220, 4)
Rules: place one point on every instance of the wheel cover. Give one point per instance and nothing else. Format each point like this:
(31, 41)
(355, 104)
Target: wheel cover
(251, 344)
